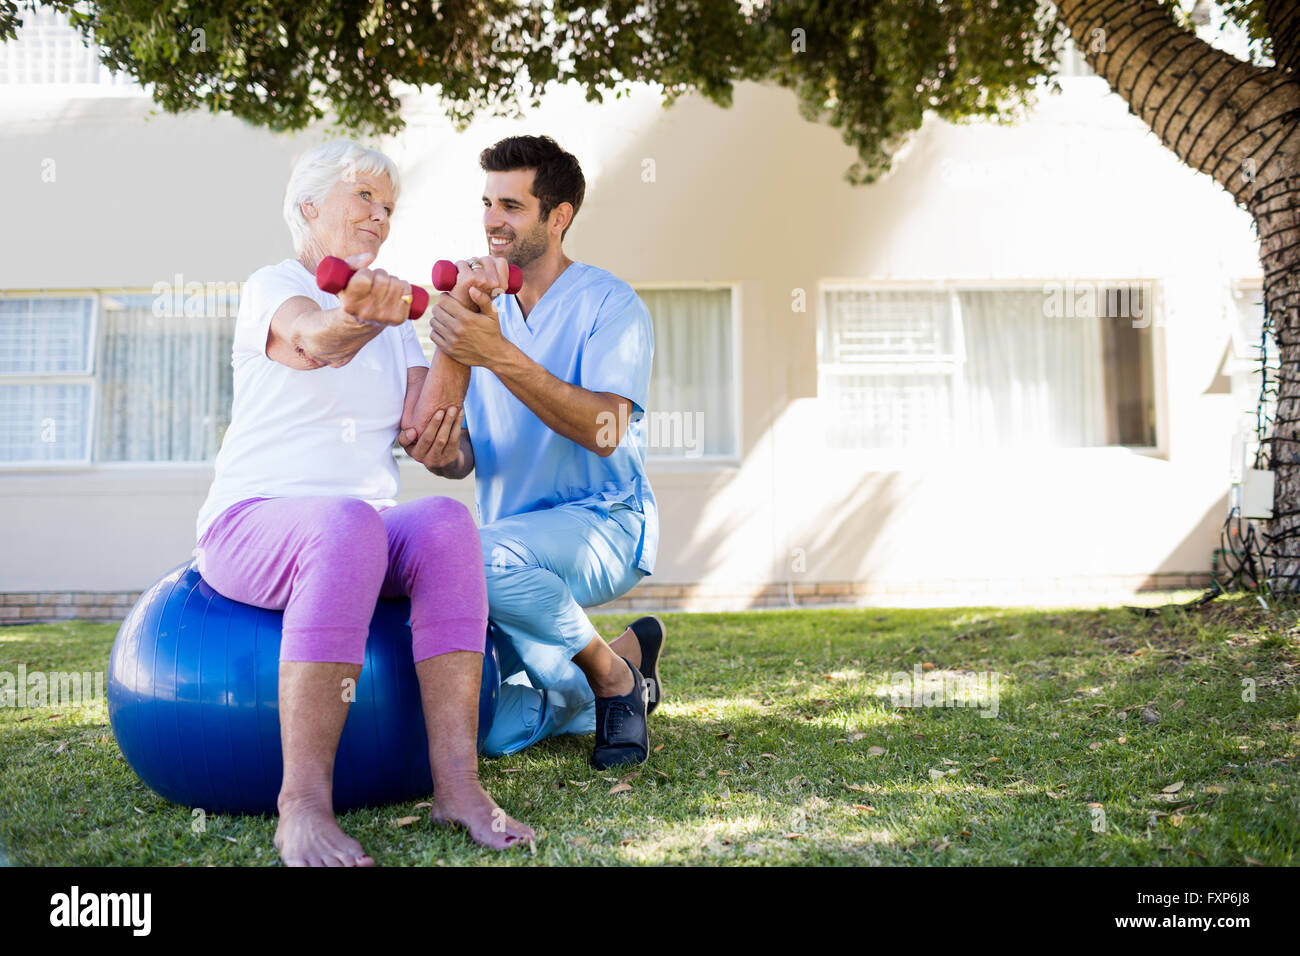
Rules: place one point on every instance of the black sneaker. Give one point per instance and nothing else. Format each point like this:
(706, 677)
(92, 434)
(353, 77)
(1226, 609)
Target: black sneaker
(649, 633)
(621, 735)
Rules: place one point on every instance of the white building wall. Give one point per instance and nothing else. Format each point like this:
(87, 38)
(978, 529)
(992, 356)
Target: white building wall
(754, 196)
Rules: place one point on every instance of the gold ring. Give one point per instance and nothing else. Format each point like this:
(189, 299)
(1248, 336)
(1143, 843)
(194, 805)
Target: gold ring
(475, 264)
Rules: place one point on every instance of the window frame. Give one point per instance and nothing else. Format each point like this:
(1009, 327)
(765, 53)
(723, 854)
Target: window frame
(37, 38)
(90, 463)
(902, 457)
(88, 375)
(709, 462)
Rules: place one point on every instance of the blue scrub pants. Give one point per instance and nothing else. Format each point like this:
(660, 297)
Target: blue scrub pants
(543, 568)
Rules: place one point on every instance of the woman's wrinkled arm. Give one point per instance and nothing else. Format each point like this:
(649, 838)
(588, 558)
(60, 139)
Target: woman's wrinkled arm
(303, 336)
(415, 376)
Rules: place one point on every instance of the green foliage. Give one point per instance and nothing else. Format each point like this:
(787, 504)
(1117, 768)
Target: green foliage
(871, 68)
(874, 69)
(10, 19)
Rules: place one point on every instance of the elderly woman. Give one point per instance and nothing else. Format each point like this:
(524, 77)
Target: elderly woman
(302, 514)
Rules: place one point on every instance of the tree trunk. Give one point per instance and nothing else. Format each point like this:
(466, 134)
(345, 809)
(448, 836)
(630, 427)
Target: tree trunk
(1240, 124)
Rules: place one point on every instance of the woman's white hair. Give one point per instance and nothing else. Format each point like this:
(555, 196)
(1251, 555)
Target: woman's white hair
(316, 172)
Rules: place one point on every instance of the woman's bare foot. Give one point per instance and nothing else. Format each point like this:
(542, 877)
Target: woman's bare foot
(308, 835)
(470, 806)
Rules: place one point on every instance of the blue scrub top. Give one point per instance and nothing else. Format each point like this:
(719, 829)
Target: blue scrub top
(589, 329)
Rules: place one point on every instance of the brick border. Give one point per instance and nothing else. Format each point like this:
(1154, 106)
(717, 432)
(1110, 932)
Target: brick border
(44, 607)
(692, 597)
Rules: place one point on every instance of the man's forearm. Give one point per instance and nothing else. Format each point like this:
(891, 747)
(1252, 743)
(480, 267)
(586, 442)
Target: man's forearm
(582, 416)
(444, 387)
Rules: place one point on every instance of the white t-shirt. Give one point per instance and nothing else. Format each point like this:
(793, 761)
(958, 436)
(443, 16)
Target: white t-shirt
(325, 431)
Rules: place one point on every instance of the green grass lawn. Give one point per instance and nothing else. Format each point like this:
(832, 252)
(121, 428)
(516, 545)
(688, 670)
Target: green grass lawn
(1118, 739)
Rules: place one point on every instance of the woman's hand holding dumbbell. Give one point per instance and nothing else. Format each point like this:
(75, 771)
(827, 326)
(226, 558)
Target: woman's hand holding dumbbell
(370, 295)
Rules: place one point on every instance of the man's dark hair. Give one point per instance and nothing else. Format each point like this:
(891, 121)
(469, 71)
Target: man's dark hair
(557, 177)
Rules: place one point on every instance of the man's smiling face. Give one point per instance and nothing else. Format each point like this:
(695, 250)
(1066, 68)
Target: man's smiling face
(511, 217)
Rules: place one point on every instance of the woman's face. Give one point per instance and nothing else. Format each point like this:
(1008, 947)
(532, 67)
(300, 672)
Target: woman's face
(354, 216)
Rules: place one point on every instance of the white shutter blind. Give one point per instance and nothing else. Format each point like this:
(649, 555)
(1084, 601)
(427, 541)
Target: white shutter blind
(45, 352)
(889, 361)
(44, 423)
(41, 336)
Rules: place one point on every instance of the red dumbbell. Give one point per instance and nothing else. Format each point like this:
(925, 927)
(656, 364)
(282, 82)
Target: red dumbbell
(333, 275)
(445, 273)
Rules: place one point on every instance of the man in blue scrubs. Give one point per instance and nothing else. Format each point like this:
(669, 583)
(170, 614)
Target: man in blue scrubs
(553, 426)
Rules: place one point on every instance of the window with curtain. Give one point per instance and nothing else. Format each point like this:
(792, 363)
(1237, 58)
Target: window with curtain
(105, 379)
(165, 382)
(986, 369)
(46, 386)
(692, 403)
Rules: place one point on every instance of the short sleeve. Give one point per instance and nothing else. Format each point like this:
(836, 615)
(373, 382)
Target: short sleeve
(264, 292)
(411, 347)
(617, 355)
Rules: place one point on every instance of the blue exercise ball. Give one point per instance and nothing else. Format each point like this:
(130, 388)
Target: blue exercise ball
(193, 686)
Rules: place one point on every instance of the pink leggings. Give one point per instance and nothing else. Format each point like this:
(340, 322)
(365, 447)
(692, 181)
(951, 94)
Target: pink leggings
(325, 561)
